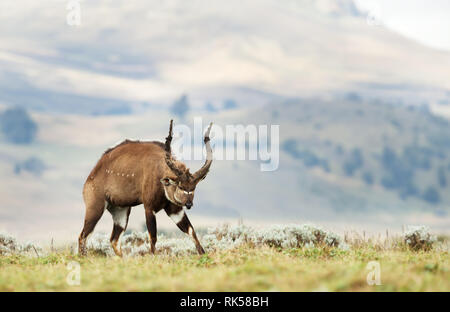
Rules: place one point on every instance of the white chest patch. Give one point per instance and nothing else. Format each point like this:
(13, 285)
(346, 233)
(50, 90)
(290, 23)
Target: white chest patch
(177, 217)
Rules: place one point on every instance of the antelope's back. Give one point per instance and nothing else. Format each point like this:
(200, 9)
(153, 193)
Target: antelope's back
(128, 159)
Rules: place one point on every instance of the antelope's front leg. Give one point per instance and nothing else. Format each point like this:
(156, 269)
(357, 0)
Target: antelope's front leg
(180, 218)
(151, 227)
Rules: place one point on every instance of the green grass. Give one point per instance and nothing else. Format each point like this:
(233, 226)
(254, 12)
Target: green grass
(242, 269)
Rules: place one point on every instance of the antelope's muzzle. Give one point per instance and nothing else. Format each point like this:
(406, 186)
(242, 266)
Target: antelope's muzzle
(188, 205)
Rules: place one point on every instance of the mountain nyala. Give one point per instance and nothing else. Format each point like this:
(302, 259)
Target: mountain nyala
(137, 172)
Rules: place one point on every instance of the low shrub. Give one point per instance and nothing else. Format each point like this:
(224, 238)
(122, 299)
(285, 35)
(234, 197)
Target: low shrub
(419, 238)
(223, 237)
(9, 246)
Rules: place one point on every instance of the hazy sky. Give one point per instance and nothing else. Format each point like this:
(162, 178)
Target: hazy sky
(425, 21)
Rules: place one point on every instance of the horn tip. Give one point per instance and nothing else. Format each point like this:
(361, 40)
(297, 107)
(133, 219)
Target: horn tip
(208, 130)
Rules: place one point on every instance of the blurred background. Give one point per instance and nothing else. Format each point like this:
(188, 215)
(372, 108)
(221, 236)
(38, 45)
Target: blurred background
(360, 89)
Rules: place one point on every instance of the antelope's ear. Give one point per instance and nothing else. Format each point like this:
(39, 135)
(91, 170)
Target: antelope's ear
(167, 181)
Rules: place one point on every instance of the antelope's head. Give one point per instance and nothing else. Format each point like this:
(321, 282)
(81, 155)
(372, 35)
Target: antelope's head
(179, 185)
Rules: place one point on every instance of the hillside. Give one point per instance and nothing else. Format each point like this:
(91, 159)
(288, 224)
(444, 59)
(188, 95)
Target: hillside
(348, 158)
(341, 162)
(359, 106)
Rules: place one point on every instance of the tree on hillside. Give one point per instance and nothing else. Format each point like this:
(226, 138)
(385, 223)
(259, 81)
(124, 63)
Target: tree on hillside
(368, 177)
(32, 165)
(398, 174)
(353, 162)
(229, 104)
(210, 107)
(442, 177)
(180, 107)
(17, 126)
(431, 195)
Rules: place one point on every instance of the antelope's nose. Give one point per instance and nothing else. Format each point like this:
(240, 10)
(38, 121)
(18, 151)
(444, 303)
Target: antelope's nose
(188, 205)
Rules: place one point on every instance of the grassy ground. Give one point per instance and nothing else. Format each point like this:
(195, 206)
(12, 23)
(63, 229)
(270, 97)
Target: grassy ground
(243, 269)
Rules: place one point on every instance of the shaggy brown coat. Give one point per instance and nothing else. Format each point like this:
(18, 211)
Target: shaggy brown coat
(134, 173)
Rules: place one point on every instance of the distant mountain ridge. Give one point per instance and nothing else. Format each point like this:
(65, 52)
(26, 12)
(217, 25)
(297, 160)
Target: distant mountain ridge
(114, 64)
(357, 105)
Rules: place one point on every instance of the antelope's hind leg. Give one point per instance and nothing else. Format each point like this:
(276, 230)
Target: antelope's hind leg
(180, 218)
(95, 206)
(120, 217)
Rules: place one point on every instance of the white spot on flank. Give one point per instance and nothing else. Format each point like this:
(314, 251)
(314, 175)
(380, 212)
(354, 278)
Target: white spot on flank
(177, 217)
(190, 231)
